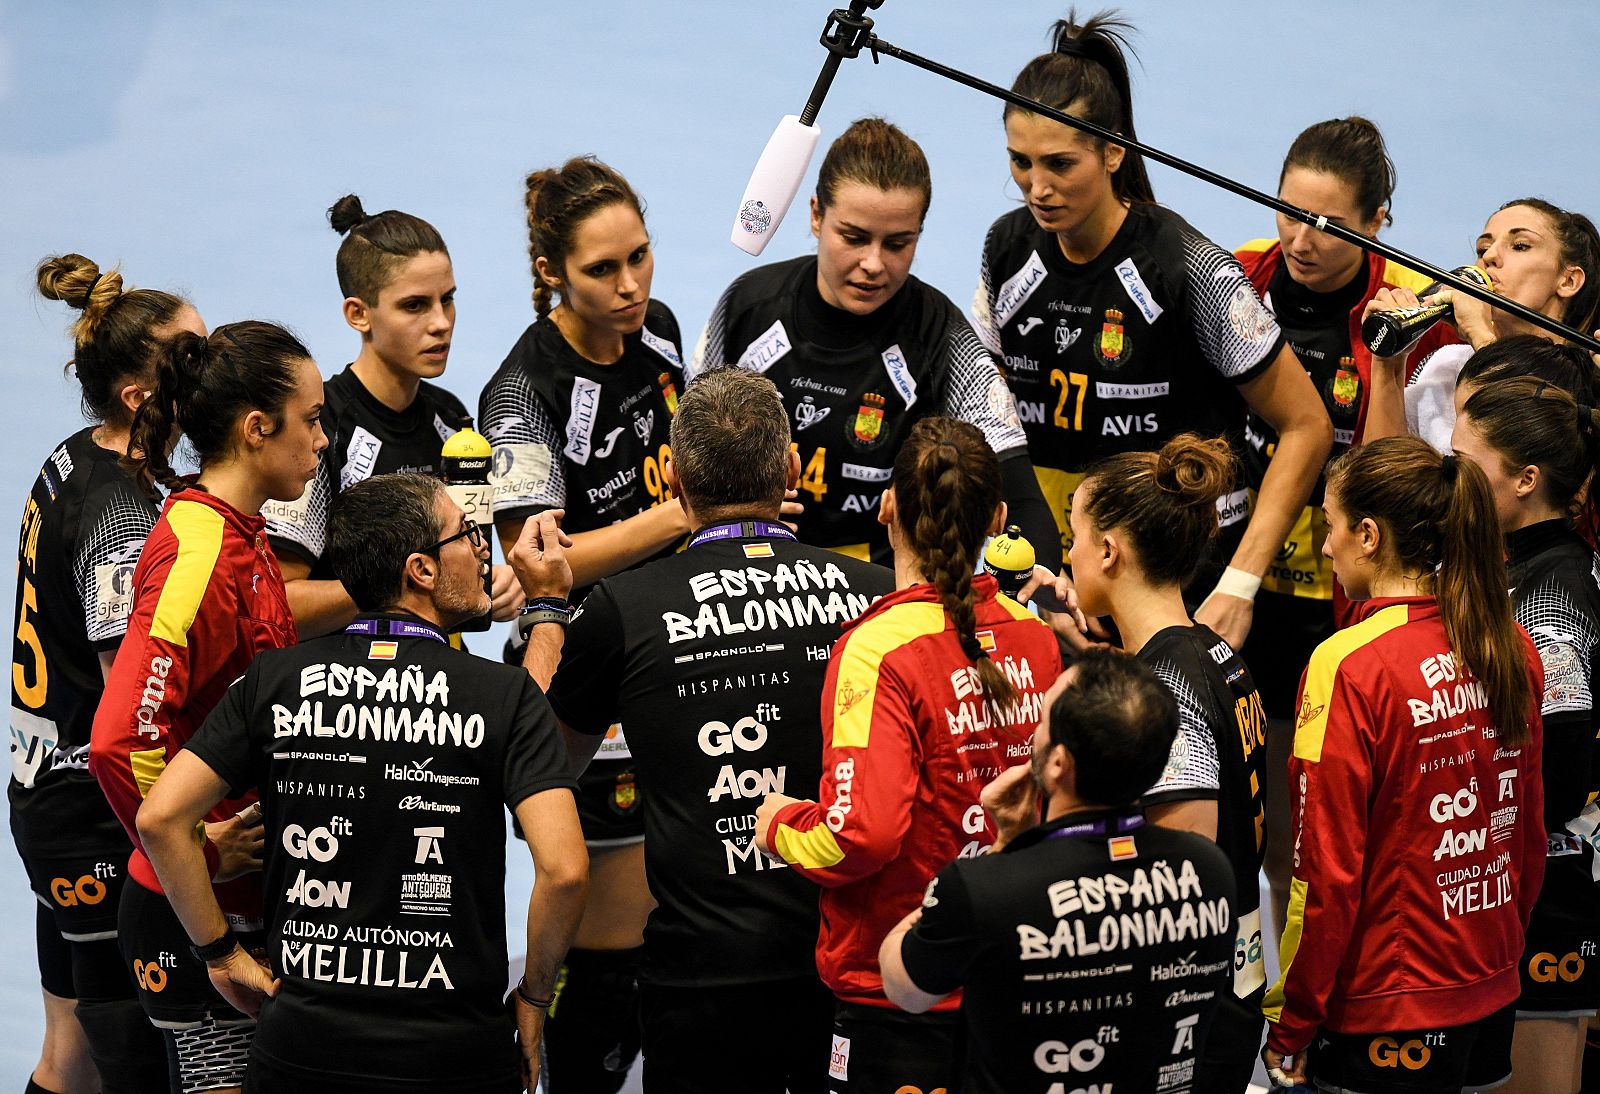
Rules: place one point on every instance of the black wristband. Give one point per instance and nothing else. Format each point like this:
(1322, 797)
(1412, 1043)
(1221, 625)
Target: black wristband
(211, 951)
(545, 609)
(522, 993)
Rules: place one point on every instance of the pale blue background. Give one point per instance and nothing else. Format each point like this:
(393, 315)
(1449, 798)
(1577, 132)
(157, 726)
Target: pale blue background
(199, 143)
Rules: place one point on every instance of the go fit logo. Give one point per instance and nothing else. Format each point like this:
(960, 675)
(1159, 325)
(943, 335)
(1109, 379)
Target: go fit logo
(152, 975)
(1387, 1052)
(90, 889)
(1546, 968)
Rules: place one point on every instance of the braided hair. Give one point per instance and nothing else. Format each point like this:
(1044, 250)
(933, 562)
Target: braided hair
(946, 490)
(558, 200)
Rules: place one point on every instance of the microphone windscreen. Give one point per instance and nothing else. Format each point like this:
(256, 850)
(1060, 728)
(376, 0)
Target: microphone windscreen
(774, 183)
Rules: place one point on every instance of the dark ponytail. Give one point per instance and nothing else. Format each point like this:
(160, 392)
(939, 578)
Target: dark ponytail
(114, 338)
(1086, 75)
(375, 247)
(559, 199)
(946, 490)
(203, 386)
(1438, 518)
(1165, 502)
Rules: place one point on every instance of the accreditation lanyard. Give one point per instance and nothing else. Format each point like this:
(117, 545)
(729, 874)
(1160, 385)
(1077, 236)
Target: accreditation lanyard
(1105, 826)
(404, 628)
(741, 529)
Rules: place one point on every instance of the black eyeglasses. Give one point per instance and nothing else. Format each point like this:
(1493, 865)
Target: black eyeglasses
(471, 531)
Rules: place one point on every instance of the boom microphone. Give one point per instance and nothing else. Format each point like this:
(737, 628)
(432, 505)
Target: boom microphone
(782, 166)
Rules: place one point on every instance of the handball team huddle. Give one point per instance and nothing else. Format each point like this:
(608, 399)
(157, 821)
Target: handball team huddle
(904, 693)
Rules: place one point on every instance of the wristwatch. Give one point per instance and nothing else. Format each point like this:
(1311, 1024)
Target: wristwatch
(543, 610)
(212, 951)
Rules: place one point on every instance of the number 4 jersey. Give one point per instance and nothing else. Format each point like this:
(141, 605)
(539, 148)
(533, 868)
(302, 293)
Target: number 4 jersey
(82, 530)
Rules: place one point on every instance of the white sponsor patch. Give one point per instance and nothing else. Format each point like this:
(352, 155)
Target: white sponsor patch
(33, 739)
(445, 431)
(1017, 288)
(866, 474)
(761, 354)
(894, 363)
(520, 471)
(1249, 966)
(1137, 290)
(360, 458)
(113, 591)
(580, 422)
(1130, 391)
(839, 1059)
(614, 745)
(1249, 319)
(290, 517)
(665, 348)
(1232, 508)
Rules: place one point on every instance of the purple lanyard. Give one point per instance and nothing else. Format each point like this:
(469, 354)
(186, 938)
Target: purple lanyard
(403, 627)
(1105, 826)
(741, 529)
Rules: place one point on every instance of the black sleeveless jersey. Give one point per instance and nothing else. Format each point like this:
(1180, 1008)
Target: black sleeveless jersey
(714, 660)
(569, 433)
(1555, 595)
(365, 438)
(1092, 953)
(851, 408)
(1148, 340)
(83, 527)
(1220, 753)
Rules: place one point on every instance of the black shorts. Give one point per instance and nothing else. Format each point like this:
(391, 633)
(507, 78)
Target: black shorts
(1443, 1060)
(791, 1054)
(81, 891)
(883, 1050)
(1560, 964)
(608, 804)
(173, 987)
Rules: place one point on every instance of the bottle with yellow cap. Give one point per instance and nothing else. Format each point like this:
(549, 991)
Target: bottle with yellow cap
(1009, 560)
(465, 461)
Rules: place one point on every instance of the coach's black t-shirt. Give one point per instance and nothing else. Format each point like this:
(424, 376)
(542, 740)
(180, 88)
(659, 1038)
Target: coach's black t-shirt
(365, 438)
(83, 527)
(855, 385)
(385, 761)
(1220, 755)
(1093, 952)
(714, 661)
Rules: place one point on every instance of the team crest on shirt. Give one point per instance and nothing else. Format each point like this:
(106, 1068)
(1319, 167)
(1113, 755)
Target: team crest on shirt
(1344, 387)
(1307, 711)
(626, 796)
(1114, 346)
(866, 428)
(669, 391)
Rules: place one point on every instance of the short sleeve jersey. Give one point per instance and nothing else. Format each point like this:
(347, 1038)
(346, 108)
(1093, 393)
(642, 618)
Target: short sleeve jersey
(1089, 959)
(1120, 354)
(1555, 595)
(384, 763)
(592, 439)
(365, 438)
(83, 527)
(714, 659)
(851, 408)
(1219, 754)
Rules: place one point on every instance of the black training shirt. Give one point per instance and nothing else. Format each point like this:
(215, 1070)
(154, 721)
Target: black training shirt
(714, 661)
(385, 763)
(1092, 951)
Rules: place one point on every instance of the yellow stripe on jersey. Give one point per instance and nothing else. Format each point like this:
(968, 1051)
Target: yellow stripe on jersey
(1057, 488)
(1272, 1005)
(814, 850)
(1312, 723)
(199, 531)
(1017, 611)
(860, 551)
(147, 766)
(1256, 246)
(1405, 277)
(864, 651)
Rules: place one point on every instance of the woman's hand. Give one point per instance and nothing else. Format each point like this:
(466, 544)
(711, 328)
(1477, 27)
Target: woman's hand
(1471, 317)
(1058, 606)
(1390, 300)
(238, 841)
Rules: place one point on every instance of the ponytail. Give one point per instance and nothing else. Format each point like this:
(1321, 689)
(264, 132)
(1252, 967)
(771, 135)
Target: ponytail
(114, 339)
(1530, 421)
(375, 247)
(947, 488)
(1086, 75)
(1437, 516)
(203, 386)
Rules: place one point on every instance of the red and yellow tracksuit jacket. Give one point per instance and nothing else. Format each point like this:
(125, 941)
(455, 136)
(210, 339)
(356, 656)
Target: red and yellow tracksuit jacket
(1419, 842)
(908, 743)
(208, 596)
